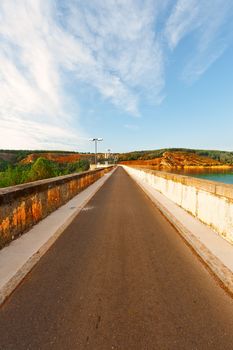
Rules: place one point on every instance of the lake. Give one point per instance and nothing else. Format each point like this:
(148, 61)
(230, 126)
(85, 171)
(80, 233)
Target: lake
(224, 176)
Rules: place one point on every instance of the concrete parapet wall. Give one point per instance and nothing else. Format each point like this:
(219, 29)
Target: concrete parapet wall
(24, 205)
(209, 201)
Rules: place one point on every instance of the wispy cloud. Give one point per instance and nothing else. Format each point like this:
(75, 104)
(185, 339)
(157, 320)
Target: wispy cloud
(118, 48)
(108, 45)
(28, 132)
(182, 20)
(212, 29)
(121, 39)
(32, 100)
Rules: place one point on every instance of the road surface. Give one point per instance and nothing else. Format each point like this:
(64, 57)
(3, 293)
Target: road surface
(120, 277)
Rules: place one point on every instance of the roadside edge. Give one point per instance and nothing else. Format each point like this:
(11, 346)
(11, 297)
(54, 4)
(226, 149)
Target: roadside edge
(216, 266)
(12, 274)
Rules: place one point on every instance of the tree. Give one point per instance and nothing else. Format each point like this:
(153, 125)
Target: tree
(42, 169)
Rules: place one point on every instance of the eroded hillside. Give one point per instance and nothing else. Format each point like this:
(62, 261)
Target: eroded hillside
(177, 160)
(56, 157)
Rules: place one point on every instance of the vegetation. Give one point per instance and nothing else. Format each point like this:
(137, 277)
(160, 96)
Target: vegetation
(14, 172)
(42, 168)
(222, 156)
(17, 155)
(3, 165)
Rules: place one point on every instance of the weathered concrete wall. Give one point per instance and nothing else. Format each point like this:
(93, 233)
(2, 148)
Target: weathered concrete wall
(24, 205)
(209, 201)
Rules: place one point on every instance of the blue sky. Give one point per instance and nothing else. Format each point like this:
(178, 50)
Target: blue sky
(141, 74)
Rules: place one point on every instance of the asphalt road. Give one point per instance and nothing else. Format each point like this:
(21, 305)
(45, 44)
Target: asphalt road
(120, 277)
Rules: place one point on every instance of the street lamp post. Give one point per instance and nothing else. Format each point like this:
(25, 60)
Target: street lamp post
(96, 139)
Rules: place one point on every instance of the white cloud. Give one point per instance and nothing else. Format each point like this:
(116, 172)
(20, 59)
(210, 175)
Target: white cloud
(182, 20)
(121, 38)
(31, 101)
(18, 134)
(108, 45)
(119, 48)
(211, 26)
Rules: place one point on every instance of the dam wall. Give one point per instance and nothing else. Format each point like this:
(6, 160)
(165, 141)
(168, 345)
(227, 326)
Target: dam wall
(22, 206)
(211, 202)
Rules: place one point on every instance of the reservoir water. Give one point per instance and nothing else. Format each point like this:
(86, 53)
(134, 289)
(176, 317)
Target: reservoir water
(214, 174)
(224, 176)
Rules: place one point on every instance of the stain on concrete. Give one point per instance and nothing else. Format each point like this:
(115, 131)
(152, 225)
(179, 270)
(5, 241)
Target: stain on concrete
(24, 205)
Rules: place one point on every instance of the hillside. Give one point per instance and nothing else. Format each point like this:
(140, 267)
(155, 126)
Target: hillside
(56, 157)
(7, 156)
(170, 160)
(14, 157)
(223, 157)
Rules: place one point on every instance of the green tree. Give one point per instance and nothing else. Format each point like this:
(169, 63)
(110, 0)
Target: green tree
(3, 165)
(42, 169)
(77, 167)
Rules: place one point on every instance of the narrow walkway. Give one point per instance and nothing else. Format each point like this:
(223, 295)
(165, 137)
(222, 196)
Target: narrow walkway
(120, 277)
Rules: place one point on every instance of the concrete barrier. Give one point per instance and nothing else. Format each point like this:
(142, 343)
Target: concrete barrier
(24, 205)
(209, 201)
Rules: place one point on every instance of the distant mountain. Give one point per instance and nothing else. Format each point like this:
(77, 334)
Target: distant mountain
(155, 156)
(14, 156)
(56, 157)
(176, 159)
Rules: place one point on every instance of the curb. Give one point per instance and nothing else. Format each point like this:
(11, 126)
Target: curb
(21, 272)
(216, 266)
